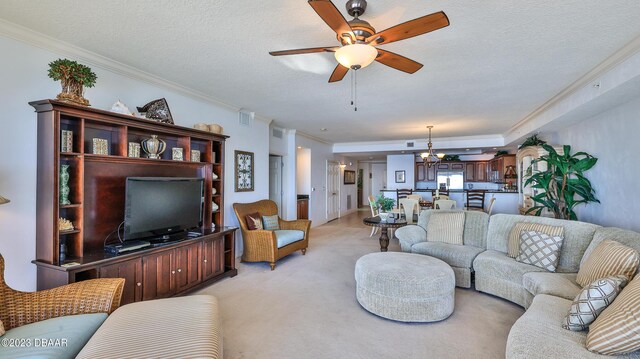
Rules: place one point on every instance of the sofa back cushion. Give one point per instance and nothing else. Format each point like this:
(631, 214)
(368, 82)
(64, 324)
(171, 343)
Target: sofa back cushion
(577, 236)
(475, 226)
(513, 246)
(446, 228)
(626, 237)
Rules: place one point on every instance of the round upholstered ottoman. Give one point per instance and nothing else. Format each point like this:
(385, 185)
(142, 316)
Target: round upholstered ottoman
(405, 287)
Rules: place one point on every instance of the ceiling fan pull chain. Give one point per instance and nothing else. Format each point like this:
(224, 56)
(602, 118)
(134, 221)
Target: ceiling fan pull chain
(355, 90)
(352, 87)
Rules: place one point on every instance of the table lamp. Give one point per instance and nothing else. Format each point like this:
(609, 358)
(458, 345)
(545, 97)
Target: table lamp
(4, 200)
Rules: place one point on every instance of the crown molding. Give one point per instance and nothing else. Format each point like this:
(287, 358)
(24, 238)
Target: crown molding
(481, 141)
(588, 79)
(40, 40)
(313, 138)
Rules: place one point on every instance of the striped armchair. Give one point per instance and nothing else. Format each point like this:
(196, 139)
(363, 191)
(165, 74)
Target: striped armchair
(264, 245)
(85, 297)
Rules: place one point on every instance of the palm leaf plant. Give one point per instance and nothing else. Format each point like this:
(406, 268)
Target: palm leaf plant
(385, 203)
(564, 184)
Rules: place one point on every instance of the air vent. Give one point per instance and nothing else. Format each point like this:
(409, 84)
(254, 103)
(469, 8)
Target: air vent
(277, 133)
(245, 117)
(410, 144)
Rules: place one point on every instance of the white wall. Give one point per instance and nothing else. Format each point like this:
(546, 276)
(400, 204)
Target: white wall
(366, 182)
(24, 78)
(405, 163)
(612, 137)
(303, 170)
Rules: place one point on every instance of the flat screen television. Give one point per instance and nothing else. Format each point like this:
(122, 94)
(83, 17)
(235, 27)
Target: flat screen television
(161, 206)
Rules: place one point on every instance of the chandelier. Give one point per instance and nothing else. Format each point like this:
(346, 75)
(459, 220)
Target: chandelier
(429, 158)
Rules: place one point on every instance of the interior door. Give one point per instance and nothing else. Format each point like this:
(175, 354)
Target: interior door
(275, 181)
(333, 190)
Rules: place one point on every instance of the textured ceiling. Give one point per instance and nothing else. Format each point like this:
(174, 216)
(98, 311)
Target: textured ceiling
(497, 61)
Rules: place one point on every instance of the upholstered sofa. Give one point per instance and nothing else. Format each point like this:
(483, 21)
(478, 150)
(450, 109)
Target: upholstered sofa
(547, 296)
(415, 239)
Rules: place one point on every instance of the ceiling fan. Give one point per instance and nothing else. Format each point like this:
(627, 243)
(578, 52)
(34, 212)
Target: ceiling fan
(358, 38)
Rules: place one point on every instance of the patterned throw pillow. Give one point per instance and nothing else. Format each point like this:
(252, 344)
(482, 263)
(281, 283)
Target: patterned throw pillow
(616, 331)
(446, 227)
(592, 301)
(607, 259)
(271, 222)
(513, 245)
(254, 221)
(539, 249)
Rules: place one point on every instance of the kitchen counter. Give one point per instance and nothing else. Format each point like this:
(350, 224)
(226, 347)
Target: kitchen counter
(506, 202)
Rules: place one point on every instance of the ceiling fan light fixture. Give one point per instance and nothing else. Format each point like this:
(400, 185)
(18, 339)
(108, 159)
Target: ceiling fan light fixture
(356, 56)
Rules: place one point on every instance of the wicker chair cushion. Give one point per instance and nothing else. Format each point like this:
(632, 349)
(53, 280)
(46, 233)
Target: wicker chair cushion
(254, 221)
(288, 236)
(76, 330)
(1, 328)
(271, 223)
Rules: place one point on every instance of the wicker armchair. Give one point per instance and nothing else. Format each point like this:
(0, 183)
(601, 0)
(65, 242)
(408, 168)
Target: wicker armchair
(261, 245)
(90, 296)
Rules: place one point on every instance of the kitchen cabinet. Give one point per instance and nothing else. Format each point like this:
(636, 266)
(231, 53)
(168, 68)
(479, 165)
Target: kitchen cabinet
(499, 166)
(131, 271)
(420, 172)
(470, 172)
(481, 171)
(431, 173)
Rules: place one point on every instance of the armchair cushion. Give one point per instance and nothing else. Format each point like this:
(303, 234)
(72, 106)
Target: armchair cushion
(254, 221)
(271, 223)
(287, 236)
(65, 336)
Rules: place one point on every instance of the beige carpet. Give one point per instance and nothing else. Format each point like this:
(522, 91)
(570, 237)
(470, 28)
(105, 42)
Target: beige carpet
(307, 308)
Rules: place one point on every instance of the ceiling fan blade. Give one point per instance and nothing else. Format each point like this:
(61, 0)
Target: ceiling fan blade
(330, 14)
(415, 27)
(303, 51)
(398, 62)
(338, 73)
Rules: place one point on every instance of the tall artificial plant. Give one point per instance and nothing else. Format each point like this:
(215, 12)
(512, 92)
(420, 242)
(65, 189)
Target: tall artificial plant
(563, 183)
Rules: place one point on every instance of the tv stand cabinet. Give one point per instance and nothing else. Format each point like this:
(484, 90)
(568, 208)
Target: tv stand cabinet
(96, 186)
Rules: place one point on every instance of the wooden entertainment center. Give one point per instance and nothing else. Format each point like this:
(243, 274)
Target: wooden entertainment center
(97, 196)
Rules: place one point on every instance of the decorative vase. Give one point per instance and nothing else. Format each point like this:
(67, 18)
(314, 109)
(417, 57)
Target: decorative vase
(153, 147)
(63, 252)
(64, 185)
(383, 216)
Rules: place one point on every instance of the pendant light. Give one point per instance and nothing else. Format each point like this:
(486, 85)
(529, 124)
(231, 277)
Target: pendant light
(429, 158)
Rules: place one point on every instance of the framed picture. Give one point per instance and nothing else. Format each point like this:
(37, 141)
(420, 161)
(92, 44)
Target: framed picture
(400, 176)
(243, 171)
(349, 177)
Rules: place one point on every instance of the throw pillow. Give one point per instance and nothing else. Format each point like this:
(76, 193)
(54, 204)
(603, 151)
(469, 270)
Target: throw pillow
(513, 245)
(254, 221)
(592, 301)
(271, 222)
(616, 331)
(607, 259)
(539, 249)
(446, 227)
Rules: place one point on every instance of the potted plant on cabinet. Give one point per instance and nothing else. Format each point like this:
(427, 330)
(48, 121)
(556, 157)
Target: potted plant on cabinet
(563, 183)
(386, 205)
(73, 77)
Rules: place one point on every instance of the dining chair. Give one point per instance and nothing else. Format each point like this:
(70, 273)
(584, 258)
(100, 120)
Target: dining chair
(409, 207)
(442, 192)
(475, 200)
(402, 193)
(374, 212)
(444, 204)
(491, 202)
(415, 196)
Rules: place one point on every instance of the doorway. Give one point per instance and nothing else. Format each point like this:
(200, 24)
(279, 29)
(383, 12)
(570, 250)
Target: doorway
(275, 181)
(333, 190)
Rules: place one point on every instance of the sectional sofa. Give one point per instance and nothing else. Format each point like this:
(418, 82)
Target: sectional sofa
(547, 296)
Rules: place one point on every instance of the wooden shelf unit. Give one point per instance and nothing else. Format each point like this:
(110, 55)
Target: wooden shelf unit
(97, 187)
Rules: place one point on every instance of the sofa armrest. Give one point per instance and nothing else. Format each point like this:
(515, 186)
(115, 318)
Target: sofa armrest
(299, 224)
(85, 297)
(410, 235)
